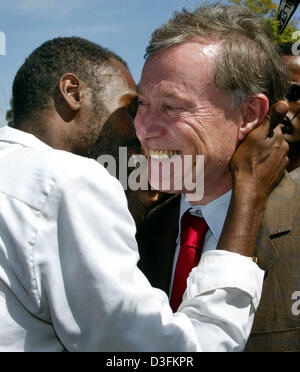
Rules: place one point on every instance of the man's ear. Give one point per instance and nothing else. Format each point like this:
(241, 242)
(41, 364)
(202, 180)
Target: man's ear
(70, 87)
(253, 112)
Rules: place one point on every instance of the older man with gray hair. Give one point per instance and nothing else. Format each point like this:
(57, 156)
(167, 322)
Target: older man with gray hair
(209, 79)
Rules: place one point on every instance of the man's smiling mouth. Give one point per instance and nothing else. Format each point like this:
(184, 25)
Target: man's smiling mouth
(163, 154)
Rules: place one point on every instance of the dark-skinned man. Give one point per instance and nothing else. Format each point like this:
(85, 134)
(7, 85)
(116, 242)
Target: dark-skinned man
(68, 265)
(292, 120)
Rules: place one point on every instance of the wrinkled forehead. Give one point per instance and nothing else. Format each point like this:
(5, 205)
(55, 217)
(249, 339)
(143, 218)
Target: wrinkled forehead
(188, 65)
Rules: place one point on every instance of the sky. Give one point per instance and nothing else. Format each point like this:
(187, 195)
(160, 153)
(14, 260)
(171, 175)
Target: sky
(124, 26)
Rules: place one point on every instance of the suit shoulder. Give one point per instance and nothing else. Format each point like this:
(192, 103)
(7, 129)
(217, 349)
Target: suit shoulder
(171, 205)
(158, 218)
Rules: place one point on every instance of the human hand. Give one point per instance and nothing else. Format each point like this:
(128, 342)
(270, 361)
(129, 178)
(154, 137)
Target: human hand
(260, 161)
(257, 166)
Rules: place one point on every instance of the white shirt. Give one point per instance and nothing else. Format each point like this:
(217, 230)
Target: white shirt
(68, 266)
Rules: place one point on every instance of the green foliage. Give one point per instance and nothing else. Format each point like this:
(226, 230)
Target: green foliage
(269, 10)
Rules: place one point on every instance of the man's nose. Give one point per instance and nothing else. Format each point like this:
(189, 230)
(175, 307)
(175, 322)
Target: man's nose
(148, 125)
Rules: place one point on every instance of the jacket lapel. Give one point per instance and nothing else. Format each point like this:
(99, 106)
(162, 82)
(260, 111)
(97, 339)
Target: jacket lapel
(278, 221)
(169, 234)
(157, 243)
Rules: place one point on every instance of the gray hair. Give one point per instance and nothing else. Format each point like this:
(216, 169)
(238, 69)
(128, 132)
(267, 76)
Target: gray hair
(248, 62)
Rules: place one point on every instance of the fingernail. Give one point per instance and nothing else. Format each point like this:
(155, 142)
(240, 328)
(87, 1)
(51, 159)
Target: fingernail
(281, 107)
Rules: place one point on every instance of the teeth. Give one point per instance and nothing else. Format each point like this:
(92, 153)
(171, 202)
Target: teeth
(163, 154)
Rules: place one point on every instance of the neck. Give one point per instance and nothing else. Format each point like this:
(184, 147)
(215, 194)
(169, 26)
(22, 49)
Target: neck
(52, 132)
(212, 190)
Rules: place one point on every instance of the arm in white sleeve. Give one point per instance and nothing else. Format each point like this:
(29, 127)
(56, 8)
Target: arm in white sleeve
(100, 301)
(218, 294)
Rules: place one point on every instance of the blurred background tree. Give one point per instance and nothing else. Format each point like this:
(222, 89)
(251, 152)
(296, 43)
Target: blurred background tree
(269, 10)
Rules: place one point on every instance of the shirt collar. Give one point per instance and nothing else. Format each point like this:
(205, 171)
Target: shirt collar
(214, 212)
(12, 135)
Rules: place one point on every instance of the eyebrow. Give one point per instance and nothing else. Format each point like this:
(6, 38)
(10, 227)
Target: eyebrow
(170, 94)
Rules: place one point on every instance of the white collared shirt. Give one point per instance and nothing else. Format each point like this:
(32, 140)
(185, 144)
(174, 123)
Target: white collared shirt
(68, 266)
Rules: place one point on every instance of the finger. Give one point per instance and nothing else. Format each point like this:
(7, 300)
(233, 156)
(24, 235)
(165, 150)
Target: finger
(287, 161)
(285, 148)
(264, 128)
(278, 133)
(273, 118)
(283, 152)
(277, 114)
(279, 139)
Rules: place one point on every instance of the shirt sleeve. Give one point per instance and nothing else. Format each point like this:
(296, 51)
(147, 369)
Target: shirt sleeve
(98, 300)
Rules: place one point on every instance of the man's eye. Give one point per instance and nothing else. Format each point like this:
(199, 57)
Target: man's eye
(142, 103)
(172, 108)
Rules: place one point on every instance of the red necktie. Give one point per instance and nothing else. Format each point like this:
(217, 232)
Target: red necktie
(193, 230)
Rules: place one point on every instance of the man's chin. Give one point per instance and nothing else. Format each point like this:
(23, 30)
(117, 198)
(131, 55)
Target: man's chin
(178, 176)
(158, 185)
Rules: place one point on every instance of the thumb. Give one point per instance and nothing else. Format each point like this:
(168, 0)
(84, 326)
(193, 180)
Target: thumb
(278, 112)
(275, 116)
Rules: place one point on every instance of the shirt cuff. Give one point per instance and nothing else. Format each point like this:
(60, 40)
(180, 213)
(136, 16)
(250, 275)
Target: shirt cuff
(222, 269)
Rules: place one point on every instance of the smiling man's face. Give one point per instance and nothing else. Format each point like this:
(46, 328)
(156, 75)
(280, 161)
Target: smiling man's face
(182, 112)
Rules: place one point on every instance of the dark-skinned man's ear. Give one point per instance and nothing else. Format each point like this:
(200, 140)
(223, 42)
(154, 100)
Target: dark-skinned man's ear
(70, 87)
